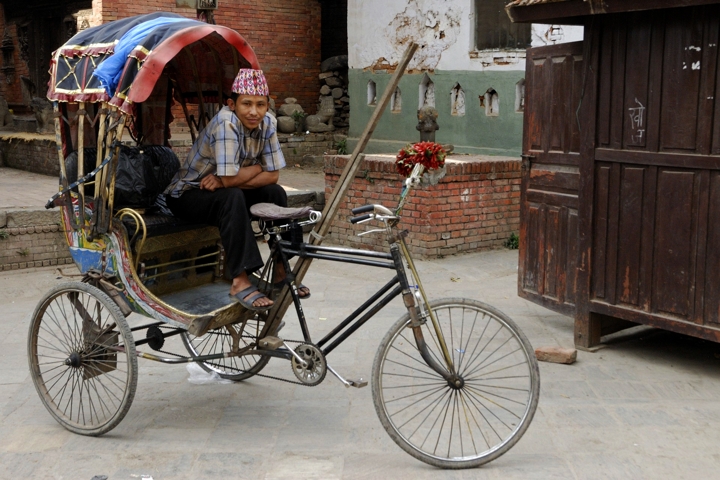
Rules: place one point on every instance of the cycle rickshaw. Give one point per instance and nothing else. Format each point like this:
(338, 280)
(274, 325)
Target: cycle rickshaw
(455, 383)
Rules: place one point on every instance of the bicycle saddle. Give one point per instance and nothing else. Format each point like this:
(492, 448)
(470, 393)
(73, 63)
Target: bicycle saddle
(270, 211)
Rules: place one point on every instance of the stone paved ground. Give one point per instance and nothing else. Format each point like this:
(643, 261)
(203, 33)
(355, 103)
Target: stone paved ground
(644, 407)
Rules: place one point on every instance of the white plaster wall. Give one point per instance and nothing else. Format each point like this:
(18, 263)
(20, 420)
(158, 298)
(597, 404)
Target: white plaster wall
(551, 34)
(380, 30)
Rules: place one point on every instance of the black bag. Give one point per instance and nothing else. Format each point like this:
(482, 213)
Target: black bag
(142, 174)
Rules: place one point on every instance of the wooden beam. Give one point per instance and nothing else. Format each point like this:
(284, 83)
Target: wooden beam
(283, 301)
(570, 12)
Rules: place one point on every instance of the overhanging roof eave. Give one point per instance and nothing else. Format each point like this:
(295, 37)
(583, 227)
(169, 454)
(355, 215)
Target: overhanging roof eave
(573, 12)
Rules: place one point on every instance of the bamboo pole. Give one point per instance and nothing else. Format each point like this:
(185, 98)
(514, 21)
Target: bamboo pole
(321, 229)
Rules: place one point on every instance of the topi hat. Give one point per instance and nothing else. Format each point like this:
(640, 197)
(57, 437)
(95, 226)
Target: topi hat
(250, 82)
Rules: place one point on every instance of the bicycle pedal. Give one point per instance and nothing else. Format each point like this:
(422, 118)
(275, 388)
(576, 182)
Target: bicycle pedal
(270, 343)
(357, 383)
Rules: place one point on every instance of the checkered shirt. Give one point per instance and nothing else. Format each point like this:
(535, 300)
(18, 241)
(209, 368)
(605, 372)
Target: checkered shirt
(224, 146)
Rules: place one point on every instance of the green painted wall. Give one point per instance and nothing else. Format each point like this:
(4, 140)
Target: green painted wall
(475, 132)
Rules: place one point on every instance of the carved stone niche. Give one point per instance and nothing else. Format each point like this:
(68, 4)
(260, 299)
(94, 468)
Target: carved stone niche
(8, 68)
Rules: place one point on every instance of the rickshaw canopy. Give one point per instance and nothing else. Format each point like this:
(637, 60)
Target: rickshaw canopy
(121, 61)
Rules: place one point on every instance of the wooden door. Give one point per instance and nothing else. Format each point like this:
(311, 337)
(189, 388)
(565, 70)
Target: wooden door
(549, 195)
(656, 171)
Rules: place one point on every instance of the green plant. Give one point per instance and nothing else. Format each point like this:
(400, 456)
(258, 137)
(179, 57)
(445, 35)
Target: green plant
(24, 252)
(366, 176)
(4, 234)
(513, 242)
(297, 115)
(341, 147)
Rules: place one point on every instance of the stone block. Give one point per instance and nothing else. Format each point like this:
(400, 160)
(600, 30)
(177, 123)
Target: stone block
(31, 217)
(556, 355)
(334, 82)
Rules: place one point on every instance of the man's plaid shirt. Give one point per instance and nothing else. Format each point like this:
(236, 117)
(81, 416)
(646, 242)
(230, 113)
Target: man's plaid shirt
(224, 146)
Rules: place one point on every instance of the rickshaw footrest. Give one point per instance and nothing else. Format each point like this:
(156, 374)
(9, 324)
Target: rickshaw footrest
(270, 343)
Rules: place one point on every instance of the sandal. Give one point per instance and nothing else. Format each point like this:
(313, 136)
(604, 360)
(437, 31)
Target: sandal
(240, 298)
(279, 285)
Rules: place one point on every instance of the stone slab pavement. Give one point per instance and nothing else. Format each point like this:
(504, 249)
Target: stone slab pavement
(644, 407)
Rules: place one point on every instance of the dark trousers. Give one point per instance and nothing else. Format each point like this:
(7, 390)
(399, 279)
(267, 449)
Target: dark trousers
(229, 210)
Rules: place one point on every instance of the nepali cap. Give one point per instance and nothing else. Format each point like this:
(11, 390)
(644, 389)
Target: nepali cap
(250, 82)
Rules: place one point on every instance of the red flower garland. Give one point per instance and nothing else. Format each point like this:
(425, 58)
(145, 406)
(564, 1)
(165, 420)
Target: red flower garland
(430, 154)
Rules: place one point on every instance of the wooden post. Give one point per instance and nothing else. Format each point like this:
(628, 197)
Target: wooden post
(283, 301)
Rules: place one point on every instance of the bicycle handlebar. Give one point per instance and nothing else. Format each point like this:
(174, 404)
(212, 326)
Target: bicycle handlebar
(363, 209)
(361, 217)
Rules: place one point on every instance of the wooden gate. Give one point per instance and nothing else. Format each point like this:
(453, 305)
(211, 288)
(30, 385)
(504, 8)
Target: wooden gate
(549, 196)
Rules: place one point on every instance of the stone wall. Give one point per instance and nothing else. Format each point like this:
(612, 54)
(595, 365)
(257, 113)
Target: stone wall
(476, 206)
(28, 151)
(298, 148)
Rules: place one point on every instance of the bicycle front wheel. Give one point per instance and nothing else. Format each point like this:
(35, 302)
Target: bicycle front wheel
(460, 424)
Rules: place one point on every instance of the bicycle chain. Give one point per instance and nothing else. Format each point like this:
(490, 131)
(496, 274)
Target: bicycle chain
(253, 374)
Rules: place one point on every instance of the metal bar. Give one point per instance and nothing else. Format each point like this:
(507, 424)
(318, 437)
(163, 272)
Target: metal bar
(361, 321)
(344, 182)
(436, 325)
(346, 251)
(201, 102)
(183, 260)
(358, 311)
(143, 327)
(335, 258)
(148, 277)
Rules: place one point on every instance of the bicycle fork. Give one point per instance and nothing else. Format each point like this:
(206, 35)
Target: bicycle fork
(447, 371)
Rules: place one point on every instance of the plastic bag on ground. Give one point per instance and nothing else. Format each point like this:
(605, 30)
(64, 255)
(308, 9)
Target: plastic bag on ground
(198, 376)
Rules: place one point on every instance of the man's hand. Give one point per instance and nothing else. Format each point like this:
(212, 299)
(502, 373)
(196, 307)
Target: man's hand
(211, 182)
(250, 177)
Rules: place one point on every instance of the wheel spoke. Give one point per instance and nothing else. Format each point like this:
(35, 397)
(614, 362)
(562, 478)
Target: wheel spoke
(472, 417)
(83, 358)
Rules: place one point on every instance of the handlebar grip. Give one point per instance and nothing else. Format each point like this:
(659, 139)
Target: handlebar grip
(363, 209)
(360, 218)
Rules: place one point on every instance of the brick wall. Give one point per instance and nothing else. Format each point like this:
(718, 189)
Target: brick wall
(32, 246)
(285, 37)
(476, 206)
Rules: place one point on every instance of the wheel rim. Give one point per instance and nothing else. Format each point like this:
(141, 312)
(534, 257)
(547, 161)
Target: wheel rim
(80, 363)
(220, 341)
(477, 417)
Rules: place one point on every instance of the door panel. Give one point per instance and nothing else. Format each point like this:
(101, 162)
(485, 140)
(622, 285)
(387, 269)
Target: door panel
(549, 196)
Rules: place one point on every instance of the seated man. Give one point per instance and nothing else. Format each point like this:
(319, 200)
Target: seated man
(233, 165)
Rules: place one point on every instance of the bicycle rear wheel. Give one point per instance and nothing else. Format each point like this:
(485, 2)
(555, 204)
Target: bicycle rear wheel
(82, 358)
(220, 341)
(457, 425)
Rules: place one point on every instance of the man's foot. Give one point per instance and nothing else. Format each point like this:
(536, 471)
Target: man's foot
(303, 291)
(252, 299)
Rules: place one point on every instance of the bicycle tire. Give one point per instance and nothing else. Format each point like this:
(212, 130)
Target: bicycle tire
(487, 415)
(220, 341)
(87, 388)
